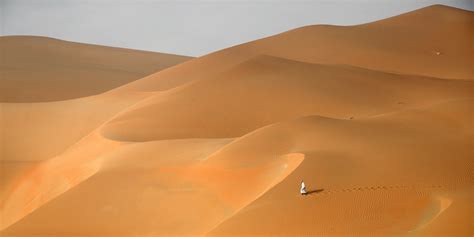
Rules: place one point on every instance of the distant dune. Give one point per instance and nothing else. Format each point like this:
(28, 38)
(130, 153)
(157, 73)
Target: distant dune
(375, 118)
(40, 69)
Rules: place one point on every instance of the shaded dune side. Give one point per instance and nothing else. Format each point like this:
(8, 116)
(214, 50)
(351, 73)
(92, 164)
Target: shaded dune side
(40, 69)
(368, 197)
(266, 89)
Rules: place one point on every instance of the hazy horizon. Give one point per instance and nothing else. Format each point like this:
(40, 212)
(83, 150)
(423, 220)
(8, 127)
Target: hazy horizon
(191, 28)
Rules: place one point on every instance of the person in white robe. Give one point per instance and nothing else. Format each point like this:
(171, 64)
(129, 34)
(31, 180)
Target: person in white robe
(303, 188)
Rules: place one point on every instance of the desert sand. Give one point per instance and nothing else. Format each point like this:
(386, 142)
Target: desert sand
(375, 118)
(41, 69)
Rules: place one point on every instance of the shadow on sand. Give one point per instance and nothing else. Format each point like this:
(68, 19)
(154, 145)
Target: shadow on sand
(314, 191)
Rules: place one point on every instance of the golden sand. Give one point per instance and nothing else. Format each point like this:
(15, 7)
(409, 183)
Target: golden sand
(375, 118)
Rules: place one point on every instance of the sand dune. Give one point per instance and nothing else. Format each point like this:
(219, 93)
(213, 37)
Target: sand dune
(40, 69)
(376, 118)
(416, 182)
(265, 90)
(405, 44)
(38, 128)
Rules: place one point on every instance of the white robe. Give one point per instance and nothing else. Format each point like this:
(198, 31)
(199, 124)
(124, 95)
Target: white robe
(303, 188)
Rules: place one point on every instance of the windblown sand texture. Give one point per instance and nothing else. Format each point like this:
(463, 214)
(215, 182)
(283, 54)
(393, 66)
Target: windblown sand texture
(377, 119)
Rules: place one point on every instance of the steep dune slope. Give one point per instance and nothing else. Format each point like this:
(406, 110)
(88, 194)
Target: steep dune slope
(39, 69)
(376, 118)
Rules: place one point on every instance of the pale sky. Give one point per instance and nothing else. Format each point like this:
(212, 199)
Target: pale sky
(189, 27)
